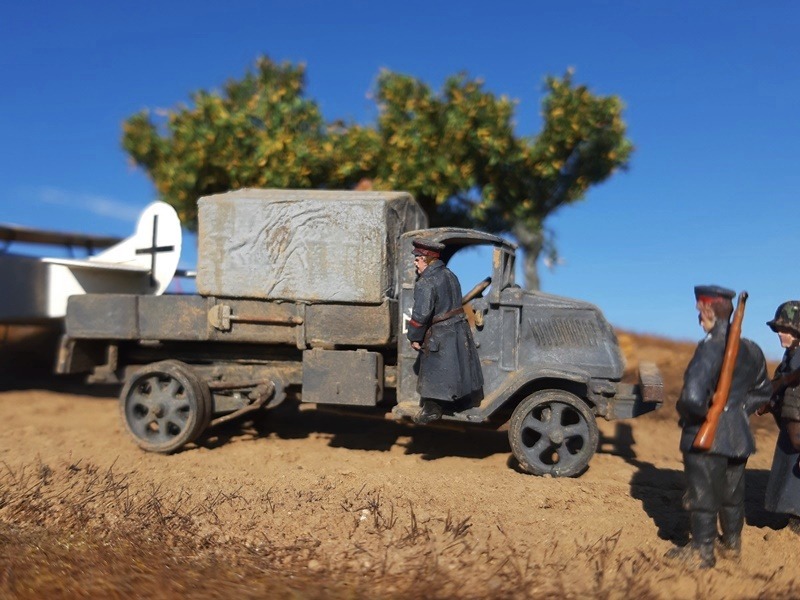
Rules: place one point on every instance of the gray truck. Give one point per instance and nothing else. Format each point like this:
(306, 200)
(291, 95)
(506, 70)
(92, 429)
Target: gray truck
(305, 296)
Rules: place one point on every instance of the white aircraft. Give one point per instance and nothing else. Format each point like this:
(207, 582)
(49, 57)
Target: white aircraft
(36, 289)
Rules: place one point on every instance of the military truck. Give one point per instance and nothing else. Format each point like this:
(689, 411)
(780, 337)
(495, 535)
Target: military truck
(304, 296)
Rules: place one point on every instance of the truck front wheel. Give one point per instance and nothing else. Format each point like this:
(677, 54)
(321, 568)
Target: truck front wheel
(553, 432)
(165, 405)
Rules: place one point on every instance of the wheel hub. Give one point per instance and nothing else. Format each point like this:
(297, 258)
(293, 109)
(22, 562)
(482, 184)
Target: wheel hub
(165, 405)
(553, 432)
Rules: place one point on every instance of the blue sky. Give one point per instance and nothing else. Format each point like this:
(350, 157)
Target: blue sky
(712, 93)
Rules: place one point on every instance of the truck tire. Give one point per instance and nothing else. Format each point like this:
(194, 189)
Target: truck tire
(553, 432)
(165, 405)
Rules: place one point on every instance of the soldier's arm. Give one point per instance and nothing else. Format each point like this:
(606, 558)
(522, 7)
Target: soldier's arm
(699, 381)
(422, 312)
(792, 395)
(761, 391)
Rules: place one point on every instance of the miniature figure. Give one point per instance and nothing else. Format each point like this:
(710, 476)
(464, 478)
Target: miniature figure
(783, 486)
(449, 368)
(715, 478)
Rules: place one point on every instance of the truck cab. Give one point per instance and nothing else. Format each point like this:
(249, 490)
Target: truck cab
(551, 365)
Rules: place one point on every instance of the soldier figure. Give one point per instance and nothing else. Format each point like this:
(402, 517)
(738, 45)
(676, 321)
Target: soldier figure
(449, 369)
(715, 479)
(783, 487)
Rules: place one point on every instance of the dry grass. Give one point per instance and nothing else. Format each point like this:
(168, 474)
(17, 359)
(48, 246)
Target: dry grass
(75, 531)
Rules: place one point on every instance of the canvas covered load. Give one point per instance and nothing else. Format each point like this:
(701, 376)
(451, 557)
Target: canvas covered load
(298, 245)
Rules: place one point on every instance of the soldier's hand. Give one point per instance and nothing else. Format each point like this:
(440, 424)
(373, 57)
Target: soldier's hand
(416, 345)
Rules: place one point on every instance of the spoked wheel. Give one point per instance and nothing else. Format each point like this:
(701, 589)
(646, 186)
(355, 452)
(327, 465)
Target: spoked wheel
(165, 405)
(553, 432)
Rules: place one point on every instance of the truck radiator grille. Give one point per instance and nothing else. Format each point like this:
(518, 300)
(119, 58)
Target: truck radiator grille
(564, 332)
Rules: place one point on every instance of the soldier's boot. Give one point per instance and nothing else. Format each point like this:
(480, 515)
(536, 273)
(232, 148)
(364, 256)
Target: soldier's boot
(731, 520)
(681, 553)
(693, 555)
(704, 532)
(706, 556)
(730, 547)
(430, 411)
(699, 554)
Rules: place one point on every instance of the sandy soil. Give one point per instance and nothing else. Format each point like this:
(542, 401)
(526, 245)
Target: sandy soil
(391, 508)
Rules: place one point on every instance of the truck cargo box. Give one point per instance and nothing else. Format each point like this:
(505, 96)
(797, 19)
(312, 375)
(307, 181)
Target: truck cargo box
(296, 245)
(197, 318)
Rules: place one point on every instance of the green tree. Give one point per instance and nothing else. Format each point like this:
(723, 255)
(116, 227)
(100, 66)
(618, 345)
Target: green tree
(456, 151)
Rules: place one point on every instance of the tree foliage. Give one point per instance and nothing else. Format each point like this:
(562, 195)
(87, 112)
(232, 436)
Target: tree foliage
(454, 150)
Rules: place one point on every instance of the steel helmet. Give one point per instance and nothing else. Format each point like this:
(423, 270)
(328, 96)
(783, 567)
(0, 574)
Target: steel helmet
(787, 317)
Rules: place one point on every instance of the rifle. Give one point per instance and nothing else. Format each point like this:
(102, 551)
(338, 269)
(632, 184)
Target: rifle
(705, 436)
(781, 383)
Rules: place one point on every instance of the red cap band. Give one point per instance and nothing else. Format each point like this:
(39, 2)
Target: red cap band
(425, 252)
(710, 299)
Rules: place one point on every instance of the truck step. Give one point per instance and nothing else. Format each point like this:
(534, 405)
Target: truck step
(405, 410)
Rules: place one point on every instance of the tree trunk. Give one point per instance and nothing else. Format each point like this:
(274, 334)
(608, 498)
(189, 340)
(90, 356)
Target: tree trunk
(531, 243)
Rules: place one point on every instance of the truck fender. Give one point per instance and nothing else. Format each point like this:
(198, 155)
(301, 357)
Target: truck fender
(525, 378)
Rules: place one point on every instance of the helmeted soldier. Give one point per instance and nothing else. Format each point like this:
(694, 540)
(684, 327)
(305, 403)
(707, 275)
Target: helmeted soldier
(783, 486)
(715, 478)
(448, 366)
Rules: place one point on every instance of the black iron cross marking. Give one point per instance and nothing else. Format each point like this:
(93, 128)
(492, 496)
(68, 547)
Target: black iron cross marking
(153, 250)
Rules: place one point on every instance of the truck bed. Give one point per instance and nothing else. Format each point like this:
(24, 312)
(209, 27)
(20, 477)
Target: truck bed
(207, 318)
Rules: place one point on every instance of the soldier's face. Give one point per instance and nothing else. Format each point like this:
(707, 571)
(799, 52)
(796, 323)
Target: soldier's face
(788, 339)
(420, 264)
(706, 316)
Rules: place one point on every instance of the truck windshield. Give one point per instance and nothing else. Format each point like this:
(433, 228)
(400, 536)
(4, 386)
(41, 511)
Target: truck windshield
(473, 264)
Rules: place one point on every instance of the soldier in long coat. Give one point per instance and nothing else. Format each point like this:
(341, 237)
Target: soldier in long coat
(715, 479)
(783, 486)
(449, 368)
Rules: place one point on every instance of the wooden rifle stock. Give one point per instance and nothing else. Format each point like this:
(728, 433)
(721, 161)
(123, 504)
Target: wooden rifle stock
(705, 437)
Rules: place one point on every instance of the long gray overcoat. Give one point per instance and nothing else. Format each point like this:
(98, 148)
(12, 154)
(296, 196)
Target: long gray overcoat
(449, 367)
(783, 486)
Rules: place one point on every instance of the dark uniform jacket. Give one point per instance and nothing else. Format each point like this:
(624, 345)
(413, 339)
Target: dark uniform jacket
(783, 486)
(750, 388)
(789, 398)
(449, 367)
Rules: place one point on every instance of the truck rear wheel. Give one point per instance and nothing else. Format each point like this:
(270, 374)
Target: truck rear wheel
(165, 405)
(553, 432)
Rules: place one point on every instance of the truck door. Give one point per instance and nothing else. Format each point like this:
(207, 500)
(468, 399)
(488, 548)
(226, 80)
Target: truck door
(496, 331)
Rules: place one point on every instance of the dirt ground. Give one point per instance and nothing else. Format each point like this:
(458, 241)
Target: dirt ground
(306, 504)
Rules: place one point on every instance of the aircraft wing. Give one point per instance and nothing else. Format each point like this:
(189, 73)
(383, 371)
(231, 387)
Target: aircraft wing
(37, 289)
(76, 263)
(16, 233)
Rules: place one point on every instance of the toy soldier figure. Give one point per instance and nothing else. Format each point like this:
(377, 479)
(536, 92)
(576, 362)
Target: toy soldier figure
(783, 486)
(715, 478)
(449, 369)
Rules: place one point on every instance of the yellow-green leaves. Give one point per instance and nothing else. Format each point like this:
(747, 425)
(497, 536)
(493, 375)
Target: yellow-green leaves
(455, 149)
